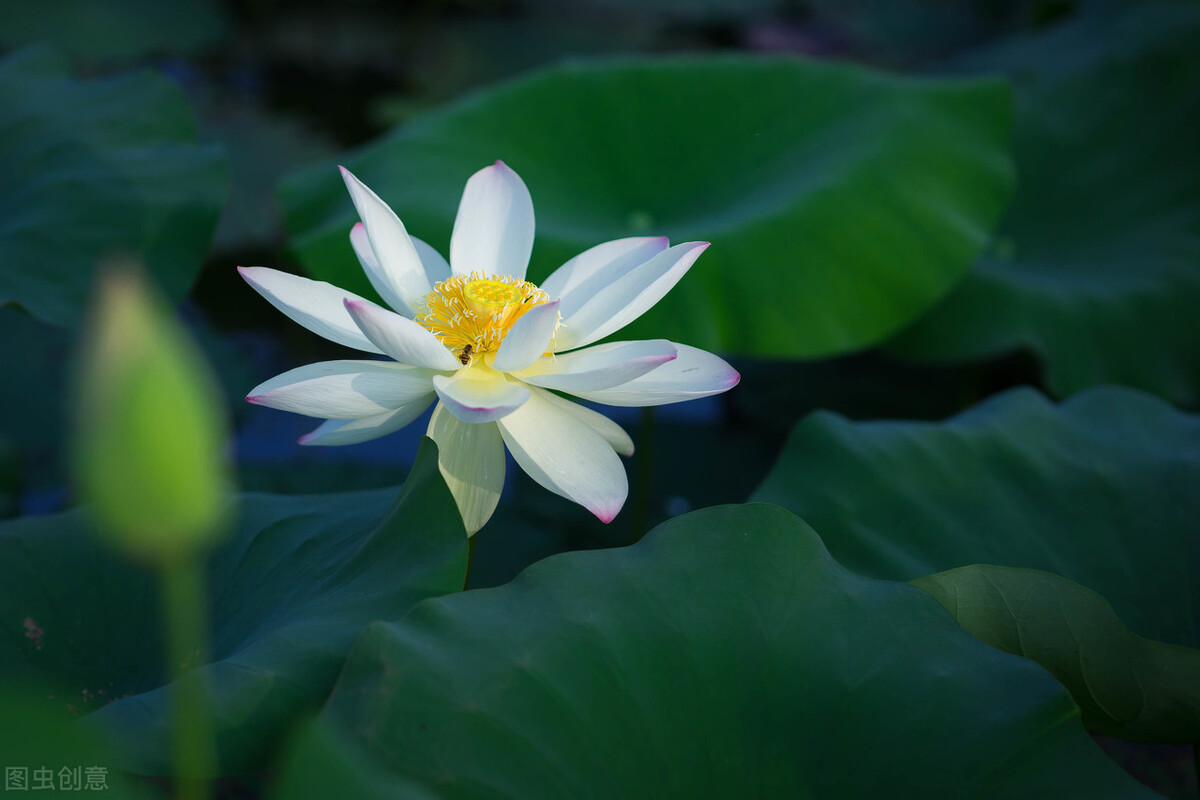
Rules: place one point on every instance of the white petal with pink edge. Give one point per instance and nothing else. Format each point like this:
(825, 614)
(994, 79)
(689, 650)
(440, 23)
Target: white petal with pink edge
(527, 339)
(316, 305)
(566, 456)
(374, 272)
(593, 269)
(400, 337)
(335, 432)
(436, 267)
(471, 460)
(612, 433)
(344, 389)
(693, 374)
(627, 298)
(480, 395)
(400, 278)
(493, 232)
(599, 367)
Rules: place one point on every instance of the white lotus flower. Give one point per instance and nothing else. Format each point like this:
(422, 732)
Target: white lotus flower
(490, 347)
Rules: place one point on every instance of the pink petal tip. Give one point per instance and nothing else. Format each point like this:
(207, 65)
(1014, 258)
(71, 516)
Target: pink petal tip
(607, 513)
(605, 516)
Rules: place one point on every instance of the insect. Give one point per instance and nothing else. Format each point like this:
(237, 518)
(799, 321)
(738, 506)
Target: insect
(465, 355)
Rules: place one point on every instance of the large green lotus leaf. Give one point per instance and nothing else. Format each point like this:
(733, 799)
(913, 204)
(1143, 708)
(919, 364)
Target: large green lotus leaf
(97, 168)
(1100, 489)
(841, 202)
(52, 757)
(1096, 268)
(289, 592)
(321, 762)
(1125, 685)
(725, 655)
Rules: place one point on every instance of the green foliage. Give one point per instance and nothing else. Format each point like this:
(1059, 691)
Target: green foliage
(1080, 39)
(1100, 490)
(1096, 267)
(9, 479)
(149, 447)
(261, 147)
(33, 416)
(676, 9)
(912, 31)
(116, 28)
(97, 168)
(842, 202)
(34, 737)
(1125, 685)
(289, 591)
(322, 762)
(726, 655)
(480, 51)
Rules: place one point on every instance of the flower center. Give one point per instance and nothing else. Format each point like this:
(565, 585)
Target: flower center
(488, 297)
(471, 314)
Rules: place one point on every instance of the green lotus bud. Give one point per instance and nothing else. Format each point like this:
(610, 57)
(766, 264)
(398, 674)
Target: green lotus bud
(151, 433)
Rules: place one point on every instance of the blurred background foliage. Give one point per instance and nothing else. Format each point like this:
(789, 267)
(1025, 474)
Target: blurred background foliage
(282, 87)
(1056, 150)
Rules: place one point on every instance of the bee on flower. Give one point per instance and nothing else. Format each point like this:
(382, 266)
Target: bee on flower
(491, 348)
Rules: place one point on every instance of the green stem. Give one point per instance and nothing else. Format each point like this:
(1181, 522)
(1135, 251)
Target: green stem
(187, 648)
(639, 516)
(470, 559)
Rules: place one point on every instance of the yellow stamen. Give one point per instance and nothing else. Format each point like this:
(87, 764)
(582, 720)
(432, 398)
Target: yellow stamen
(476, 312)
